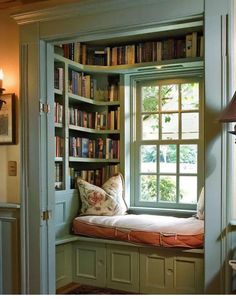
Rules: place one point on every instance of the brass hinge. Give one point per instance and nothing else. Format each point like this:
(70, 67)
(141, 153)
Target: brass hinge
(45, 215)
(44, 108)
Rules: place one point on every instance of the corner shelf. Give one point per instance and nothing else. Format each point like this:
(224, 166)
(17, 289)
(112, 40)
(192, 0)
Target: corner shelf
(93, 160)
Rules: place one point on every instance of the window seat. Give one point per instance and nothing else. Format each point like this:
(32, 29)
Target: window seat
(152, 230)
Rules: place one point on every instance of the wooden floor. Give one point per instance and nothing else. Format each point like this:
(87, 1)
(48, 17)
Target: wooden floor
(81, 289)
(68, 288)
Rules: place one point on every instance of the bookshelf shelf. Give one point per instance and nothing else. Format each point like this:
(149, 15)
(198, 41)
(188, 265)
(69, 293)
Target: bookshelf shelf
(131, 68)
(58, 91)
(93, 160)
(93, 131)
(73, 98)
(58, 159)
(58, 125)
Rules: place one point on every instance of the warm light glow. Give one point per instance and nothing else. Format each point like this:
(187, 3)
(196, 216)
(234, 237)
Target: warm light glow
(1, 74)
(158, 67)
(1, 77)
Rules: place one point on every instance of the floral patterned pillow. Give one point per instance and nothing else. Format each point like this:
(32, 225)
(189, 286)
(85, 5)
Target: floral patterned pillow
(107, 200)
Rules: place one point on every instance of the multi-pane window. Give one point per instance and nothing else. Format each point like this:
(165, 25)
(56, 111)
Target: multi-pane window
(167, 143)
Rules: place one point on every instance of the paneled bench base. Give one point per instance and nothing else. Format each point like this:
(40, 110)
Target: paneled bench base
(123, 266)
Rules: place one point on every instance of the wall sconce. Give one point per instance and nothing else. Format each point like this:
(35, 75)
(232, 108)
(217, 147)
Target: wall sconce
(229, 113)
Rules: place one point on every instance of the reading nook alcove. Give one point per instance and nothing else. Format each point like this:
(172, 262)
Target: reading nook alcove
(89, 74)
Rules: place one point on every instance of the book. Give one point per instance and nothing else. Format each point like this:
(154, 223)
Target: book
(114, 56)
(84, 147)
(194, 44)
(108, 56)
(189, 44)
(83, 54)
(77, 52)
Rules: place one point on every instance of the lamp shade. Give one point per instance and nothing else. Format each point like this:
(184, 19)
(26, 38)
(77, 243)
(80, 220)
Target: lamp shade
(229, 113)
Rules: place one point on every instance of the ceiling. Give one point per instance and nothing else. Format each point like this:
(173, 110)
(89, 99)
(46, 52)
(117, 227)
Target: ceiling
(24, 4)
(4, 4)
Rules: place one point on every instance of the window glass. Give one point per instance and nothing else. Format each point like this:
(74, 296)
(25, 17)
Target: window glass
(167, 191)
(190, 126)
(167, 143)
(150, 102)
(148, 158)
(190, 96)
(150, 126)
(148, 188)
(188, 158)
(167, 158)
(169, 97)
(170, 126)
(188, 189)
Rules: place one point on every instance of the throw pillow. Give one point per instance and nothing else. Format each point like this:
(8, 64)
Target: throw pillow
(107, 200)
(114, 186)
(200, 206)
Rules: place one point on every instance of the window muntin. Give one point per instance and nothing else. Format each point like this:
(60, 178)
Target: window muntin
(167, 143)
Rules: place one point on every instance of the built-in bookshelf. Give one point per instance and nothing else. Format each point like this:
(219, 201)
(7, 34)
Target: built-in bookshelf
(87, 123)
(88, 97)
(188, 45)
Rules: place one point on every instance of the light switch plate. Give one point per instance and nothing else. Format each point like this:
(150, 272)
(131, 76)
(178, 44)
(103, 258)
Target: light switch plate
(12, 168)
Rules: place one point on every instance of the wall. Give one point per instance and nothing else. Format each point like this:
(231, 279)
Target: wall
(9, 62)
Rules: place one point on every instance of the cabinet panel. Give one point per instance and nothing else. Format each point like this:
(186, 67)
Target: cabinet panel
(9, 251)
(167, 272)
(123, 268)
(90, 264)
(63, 265)
(188, 275)
(156, 272)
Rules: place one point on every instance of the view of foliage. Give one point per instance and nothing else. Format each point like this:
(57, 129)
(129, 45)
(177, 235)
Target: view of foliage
(149, 189)
(167, 96)
(188, 154)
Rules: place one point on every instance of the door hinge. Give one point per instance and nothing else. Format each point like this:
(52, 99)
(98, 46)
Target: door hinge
(44, 108)
(45, 215)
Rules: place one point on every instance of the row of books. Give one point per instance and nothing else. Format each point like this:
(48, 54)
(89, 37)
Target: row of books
(94, 148)
(59, 146)
(58, 176)
(58, 113)
(106, 120)
(81, 84)
(84, 85)
(94, 176)
(189, 45)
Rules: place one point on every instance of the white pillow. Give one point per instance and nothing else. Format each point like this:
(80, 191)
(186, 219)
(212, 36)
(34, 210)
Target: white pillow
(200, 205)
(105, 200)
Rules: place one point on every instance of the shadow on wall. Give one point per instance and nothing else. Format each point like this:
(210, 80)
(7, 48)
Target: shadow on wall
(212, 132)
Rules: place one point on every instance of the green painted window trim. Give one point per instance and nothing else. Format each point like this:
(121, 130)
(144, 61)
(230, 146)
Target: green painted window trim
(135, 143)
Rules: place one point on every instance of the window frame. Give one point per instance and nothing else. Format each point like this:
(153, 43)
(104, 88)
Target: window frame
(135, 83)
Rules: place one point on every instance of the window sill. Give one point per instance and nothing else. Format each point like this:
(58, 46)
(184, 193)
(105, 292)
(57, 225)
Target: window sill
(162, 211)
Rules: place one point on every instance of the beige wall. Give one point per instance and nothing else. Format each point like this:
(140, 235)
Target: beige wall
(9, 62)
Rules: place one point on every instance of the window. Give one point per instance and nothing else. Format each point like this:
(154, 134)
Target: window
(167, 143)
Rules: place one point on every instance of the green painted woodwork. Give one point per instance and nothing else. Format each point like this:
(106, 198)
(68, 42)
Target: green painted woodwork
(9, 249)
(123, 268)
(169, 271)
(90, 21)
(66, 209)
(63, 265)
(89, 262)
